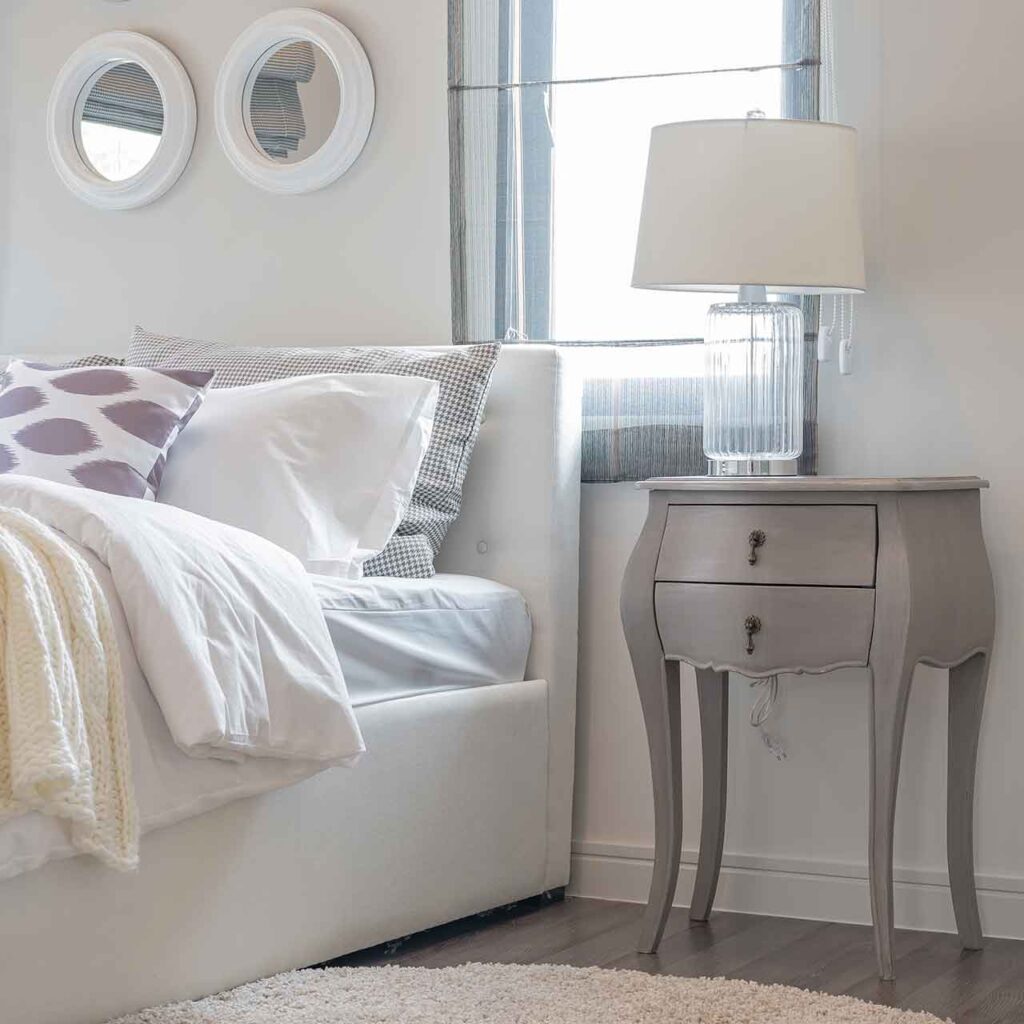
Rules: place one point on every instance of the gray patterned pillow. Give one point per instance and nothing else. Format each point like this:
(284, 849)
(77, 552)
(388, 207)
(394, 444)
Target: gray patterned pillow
(106, 427)
(464, 375)
(93, 360)
(76, 361)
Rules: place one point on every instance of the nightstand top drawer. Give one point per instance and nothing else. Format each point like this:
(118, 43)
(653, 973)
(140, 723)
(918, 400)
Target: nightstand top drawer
(806, 545)
(763, 630)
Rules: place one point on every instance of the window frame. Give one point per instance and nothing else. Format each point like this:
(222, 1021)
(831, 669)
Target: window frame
(523, 293)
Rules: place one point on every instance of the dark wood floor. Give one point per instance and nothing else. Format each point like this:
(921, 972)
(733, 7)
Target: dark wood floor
(932, 973)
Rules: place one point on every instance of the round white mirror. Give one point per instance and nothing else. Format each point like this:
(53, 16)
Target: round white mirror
(294, 101)
(121, 120)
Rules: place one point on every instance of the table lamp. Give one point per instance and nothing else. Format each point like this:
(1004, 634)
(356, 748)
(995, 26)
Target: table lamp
(754, 206)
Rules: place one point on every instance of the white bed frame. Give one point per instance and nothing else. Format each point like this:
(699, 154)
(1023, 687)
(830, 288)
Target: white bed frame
(462, 803)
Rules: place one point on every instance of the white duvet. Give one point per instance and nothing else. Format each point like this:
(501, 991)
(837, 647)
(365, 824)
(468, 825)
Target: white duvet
(225, 655)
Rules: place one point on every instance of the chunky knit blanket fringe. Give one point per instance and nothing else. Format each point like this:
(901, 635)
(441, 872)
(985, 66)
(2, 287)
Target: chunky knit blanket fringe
(63, 735)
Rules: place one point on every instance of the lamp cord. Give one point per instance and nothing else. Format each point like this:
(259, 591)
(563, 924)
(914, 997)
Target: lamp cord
(840, 328)
(762, 710)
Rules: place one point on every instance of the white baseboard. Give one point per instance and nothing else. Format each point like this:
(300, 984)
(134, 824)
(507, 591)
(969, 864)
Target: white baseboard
(791, 887)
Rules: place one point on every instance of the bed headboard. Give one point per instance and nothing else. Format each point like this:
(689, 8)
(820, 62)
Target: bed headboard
(519, 525)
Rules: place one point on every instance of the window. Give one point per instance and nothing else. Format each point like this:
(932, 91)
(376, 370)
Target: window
(551, 106)
(117, 153)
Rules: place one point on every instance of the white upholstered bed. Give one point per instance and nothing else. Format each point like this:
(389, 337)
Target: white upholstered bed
(461, 803)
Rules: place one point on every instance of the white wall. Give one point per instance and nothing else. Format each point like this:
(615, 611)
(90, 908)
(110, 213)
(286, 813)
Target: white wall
(366, 259)
(940, 365)
(937, 96)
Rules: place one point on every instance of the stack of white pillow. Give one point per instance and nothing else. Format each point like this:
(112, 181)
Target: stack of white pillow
(322, 465)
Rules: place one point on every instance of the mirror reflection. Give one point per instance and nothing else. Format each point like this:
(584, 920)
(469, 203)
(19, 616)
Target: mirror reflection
(121, 121)
(294, 101)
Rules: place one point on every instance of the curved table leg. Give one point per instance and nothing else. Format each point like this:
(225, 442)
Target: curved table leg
(890, 693)
(713, 701)
(660, 702)
(657, 683)
(966, 699)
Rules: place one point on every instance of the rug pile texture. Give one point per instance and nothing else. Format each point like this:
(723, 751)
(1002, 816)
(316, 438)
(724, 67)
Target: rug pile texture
(516, 994)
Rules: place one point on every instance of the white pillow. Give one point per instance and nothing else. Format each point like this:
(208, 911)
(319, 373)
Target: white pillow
(324, 465)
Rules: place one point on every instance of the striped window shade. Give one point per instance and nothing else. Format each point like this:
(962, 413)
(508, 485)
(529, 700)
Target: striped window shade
(126, 97)
(551, 105)
(275, 108)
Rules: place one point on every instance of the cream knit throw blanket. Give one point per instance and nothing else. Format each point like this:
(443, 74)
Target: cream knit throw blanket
(63, 737)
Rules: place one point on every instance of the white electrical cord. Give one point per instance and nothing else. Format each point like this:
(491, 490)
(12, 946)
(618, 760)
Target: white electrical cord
(762, 711)
(840, 329)
(829, 102)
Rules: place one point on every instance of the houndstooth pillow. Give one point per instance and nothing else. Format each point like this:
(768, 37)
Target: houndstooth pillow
(464, 375)
(95, 360)
(77, 361)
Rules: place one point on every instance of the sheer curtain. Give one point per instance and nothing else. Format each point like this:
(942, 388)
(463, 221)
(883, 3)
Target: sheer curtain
(551, 103)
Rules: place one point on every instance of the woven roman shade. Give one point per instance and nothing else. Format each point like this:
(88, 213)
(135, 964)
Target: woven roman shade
(126, 97)
(275, 108)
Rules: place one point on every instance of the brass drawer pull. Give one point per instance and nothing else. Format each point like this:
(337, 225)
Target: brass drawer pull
(755, 540)
(752, 625)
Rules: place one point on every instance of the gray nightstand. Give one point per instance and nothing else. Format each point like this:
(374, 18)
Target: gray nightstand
(760, 575)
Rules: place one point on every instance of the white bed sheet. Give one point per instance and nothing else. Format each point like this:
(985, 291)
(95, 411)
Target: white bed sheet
(399, 638)
(396, 638)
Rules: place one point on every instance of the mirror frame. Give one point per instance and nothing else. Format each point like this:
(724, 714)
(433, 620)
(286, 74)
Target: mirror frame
(176, 141)
(355, 114)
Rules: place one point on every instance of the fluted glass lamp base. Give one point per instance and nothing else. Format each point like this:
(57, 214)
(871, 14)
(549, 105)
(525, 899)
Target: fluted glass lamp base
(753, 387)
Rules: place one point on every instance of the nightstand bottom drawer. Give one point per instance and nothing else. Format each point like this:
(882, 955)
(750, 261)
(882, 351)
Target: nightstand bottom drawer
(758, 630)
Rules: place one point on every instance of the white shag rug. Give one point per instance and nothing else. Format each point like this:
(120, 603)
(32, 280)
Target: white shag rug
(516, 994)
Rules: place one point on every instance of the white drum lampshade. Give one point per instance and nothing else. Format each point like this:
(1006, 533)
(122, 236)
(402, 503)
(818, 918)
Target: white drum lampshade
(753, 206)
